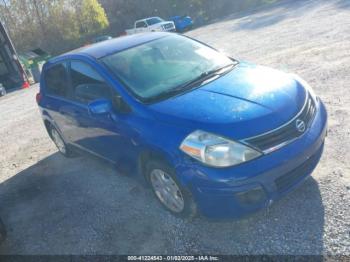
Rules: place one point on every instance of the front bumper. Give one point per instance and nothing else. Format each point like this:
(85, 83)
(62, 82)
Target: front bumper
(243, 189)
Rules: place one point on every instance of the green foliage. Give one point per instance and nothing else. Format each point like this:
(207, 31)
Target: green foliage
(92, 17)
(54, 25)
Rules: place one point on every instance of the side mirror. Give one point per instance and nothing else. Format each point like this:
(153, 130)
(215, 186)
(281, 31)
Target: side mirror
(100, 107)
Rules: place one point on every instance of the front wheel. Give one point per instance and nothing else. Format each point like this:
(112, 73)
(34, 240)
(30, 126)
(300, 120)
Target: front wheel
(168, 190)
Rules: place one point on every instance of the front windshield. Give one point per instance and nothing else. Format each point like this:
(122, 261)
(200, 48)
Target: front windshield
(154, 20)
(157, 67)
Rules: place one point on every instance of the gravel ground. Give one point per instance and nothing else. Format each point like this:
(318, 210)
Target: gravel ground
(53, 205)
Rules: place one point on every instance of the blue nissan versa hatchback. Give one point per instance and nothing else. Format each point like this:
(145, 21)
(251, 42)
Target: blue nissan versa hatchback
(208, 133)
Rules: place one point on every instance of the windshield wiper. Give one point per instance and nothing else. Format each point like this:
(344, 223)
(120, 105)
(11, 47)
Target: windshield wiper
(201, 78)
(198, 81)
(217, 71)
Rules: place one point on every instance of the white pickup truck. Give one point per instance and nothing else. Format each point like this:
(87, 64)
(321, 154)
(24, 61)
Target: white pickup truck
(151, 24)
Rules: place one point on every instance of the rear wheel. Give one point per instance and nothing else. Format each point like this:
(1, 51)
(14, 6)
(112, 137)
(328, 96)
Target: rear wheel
(62, 147)
(168, 190)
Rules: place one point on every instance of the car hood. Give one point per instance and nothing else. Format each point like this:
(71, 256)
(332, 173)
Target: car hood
(247, 101)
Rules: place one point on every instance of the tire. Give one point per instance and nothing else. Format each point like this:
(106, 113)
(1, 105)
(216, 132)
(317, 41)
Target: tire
(2, 231)
(62, 147)
(182, 205)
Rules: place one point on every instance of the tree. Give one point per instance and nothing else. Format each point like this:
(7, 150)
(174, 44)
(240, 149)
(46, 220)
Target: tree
(54, 25)
(92, 17)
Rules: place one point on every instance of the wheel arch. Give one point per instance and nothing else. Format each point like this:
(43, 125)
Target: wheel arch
(148, 154)
(191, 208)
(48, 125)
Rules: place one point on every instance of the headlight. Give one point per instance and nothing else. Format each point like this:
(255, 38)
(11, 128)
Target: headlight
(216, 151)
(306, 86)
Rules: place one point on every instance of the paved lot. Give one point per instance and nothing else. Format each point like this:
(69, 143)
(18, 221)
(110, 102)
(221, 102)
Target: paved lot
(54, 205)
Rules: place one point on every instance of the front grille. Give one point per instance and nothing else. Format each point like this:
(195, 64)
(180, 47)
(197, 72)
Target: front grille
(286, 181)
(277, 138)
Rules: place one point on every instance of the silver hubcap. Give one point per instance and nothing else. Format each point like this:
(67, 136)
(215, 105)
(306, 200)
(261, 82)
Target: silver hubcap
(167, 190)
(58, 141)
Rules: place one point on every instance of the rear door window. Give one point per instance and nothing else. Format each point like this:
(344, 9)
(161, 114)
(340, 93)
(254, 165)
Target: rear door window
(56, 80)
(87, 83)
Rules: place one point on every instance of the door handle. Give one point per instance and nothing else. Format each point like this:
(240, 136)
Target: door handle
(69, 113)
(113, 117)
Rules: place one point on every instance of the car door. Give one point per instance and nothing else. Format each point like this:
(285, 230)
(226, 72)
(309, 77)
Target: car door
(106, 135)
(57, 98)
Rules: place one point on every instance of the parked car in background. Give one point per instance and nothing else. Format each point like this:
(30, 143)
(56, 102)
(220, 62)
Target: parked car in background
(151, 24)
(182, 23)
(208, 133)
(2, 90)
(101, 38)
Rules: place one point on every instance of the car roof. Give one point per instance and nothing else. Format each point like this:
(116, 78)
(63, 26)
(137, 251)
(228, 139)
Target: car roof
(114, 45)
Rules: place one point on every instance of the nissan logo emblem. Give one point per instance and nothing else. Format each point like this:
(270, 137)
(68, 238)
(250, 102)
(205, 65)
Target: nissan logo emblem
(300, 125)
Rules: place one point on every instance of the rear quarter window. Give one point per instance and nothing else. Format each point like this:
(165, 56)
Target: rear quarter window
(56, 80)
